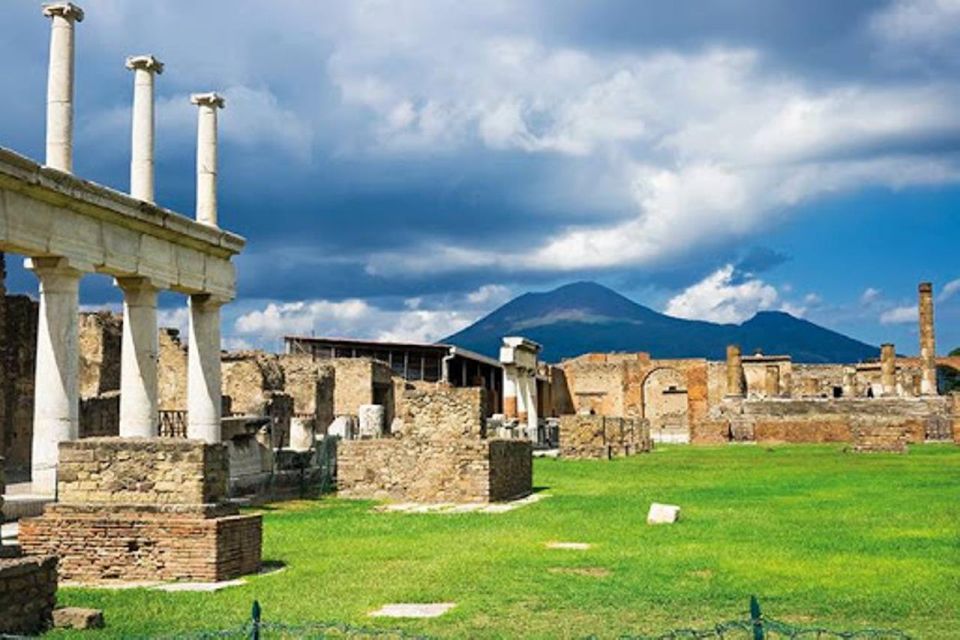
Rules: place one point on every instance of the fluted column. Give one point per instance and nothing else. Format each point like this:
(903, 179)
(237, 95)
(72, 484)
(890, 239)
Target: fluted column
(140, 352)
(60, 84)
(142, 133)
(208, 103)
(203, 369)
(56, 389)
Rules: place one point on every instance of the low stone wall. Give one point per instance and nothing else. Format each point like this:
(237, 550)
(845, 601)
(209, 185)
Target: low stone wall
(142, 471)
(424, 471)
(834, 420)
(440, 454)
(873, 436)
(602, 438)
(28, 594)
(710, 432)
(135, 509)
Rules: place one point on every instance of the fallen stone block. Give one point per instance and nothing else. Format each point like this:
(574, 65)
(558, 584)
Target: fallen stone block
(663, 513)
(77, 618)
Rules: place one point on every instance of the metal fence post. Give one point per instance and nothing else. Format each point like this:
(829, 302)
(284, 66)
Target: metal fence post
(255, 620)
(756, 619)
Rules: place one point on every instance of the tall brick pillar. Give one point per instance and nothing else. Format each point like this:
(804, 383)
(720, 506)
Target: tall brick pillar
(735, 381)
(888, 369)
(928, 346)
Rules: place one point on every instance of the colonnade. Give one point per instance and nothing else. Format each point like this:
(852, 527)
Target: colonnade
(56, 409)
(520, 360)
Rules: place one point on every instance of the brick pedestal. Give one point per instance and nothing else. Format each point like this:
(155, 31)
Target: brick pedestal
(140, 509)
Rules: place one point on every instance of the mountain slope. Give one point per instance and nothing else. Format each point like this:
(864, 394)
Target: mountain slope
(587, 317)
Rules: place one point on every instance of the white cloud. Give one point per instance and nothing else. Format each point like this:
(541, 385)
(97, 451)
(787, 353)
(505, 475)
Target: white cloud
(351, 318)
(925, 26)
(718, 299)
(949, 290)
(869, 296)
(900, 315)
(489, 294)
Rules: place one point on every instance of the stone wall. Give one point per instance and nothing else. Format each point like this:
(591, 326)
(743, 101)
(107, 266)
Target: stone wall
(100, 415)
(873, 436)
(439, 455)
(18, 355)
(172, 372)
(99, 340)
(144, 509)
(28, 594)
(833, 420)
(141, 471)
(603, 438)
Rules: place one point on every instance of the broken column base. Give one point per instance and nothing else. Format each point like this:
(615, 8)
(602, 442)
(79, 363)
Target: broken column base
(144, 509)
(98, 544)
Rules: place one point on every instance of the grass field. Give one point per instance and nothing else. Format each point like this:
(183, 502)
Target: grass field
(820, 536)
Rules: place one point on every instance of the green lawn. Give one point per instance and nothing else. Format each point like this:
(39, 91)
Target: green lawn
(821, 536)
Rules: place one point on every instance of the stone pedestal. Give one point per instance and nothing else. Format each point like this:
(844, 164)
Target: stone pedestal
(139, 509)
(28, 594)
(371, 418)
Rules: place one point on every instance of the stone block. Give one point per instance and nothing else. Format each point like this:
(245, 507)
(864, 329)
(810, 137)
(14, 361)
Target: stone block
(663, 513)
(344, 427)
(371, 418)
(77, 618)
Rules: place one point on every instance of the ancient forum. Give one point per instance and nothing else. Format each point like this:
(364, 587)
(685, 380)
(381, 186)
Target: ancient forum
(134, 454)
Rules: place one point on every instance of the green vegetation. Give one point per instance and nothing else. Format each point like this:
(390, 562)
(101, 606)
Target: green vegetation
(821, 536)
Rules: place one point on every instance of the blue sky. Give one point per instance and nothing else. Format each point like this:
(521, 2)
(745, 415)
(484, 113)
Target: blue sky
(401, 168)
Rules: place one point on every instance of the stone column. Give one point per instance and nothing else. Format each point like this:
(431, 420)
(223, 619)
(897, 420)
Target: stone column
(772, 381)
(849, 382)
(531, 405)
(888, 369)
(928, 345)
(208, 104)
(521, 382)
(141, 149)
(734, 371)
(509, 394)
(203, 369)
(139, 355)
(56, 390)
(60, 84)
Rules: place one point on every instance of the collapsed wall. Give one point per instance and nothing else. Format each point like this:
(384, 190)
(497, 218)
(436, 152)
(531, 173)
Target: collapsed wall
(441, 454)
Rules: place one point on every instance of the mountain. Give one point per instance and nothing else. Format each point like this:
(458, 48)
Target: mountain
(587, 317)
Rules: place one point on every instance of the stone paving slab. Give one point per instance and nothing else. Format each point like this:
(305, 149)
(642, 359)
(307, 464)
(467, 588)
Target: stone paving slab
(208, 587)
(572, 546)
(454, 508)
(413, 610)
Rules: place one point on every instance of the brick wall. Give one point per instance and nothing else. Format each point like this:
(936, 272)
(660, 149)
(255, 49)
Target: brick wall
(600, 437)
(28, 594)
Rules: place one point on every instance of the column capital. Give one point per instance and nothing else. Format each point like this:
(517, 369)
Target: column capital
(208, 301)
(66, 10)
(146, 62)
(140, 283)
(139, 291)
(210, 99)
(57, 266)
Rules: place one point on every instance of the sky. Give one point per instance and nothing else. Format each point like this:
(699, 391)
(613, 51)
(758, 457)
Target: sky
(401, 168)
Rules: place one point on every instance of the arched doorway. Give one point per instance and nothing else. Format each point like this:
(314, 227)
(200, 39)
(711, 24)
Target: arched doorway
(665, 405)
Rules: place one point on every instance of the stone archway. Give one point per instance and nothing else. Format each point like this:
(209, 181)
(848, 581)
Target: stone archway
(666, 406)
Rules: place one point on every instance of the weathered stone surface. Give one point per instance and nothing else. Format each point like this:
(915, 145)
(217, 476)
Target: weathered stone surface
(439, 456)
(414, 610)
(603, 438)
(28, 594)
(77, 618)
(371, 418)
(663, 513)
